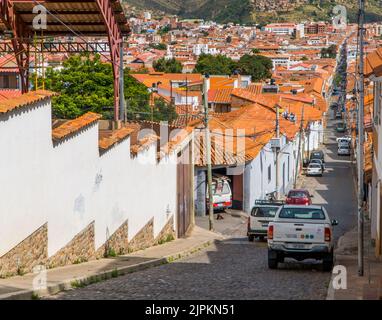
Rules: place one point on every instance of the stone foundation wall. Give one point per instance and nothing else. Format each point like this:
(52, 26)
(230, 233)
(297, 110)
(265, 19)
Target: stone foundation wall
(29, 253)
(144, 238)
(80, 249)
(118, 243)
(34, 250)
(167, 232)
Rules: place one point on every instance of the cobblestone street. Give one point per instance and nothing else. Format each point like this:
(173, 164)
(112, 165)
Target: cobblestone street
(235, 268)
(231, 269)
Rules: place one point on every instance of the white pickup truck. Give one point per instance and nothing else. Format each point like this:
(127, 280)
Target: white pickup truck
(301, 232)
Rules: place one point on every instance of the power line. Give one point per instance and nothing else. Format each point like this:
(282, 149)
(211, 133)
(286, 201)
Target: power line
(82, 37)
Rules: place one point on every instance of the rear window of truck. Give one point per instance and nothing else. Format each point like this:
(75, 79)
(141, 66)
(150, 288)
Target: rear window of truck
(302, 213)
(298, 194)
(263, 212)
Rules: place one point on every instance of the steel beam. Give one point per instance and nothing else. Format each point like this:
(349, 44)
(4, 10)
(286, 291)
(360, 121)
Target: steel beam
(115, 42)
(15, 24)
(60, 47)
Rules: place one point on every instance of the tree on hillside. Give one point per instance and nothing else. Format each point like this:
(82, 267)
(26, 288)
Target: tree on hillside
(330, 52)
(259, 67)
(255, 51)
(164, 111)
(164, 30)
(168, 65)
(86, 84)
(158, 46)
(137, 98)
(216, 65)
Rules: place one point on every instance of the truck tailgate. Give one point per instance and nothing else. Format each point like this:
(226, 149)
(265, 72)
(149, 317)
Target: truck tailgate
(299, 232)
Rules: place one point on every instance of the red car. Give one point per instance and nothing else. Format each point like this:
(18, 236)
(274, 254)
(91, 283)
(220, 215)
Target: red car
(299, 197)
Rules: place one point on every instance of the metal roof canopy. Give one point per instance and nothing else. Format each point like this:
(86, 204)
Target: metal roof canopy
(68, 18)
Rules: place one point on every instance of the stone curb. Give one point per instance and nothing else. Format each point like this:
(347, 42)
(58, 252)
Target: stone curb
(238, 214)
(104, 275)
(330, 293)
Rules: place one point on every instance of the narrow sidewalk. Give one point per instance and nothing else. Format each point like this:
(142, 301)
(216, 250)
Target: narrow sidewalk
(55, 280)
(368, 287)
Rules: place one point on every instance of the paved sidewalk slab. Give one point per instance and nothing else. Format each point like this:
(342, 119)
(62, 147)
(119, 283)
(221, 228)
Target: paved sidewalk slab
(367, 287)
(64, 278)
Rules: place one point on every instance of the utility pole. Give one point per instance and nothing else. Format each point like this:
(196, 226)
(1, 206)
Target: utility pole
(208, 154)
(299, 148)
(277, 152)
(186, 100)
(121, 85)
(361, 138)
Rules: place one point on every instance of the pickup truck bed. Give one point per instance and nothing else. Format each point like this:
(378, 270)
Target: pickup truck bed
(300, 232)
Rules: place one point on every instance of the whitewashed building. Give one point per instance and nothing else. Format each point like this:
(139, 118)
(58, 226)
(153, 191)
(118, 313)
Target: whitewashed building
(71, 193)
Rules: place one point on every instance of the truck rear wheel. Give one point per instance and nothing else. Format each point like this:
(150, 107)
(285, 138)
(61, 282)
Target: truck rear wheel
(328, 262)
(272, 259)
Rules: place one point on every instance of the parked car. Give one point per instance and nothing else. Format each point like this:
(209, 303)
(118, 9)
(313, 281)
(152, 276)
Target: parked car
(299, 197)
(314, 169)
(341, 127)
(261, 214)
(344, 140)
(317, 154)
(221, 193)
(318, 161)
(301, 233)
(344, 150)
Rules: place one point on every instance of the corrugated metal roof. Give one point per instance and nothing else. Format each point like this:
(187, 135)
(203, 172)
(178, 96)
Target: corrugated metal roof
(81, 16)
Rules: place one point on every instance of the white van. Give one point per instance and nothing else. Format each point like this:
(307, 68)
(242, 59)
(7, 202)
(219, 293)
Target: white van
(344, 142)
(221, 193)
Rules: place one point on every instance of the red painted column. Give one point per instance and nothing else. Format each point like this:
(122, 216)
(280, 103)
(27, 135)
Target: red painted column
(115, 40)
(19, 32)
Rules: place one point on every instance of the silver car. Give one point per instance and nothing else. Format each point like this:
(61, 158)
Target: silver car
(314, 169)
(344, 150)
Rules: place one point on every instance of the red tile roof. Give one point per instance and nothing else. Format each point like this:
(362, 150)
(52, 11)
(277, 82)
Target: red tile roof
(373, 63)
(24, 100)
(72, 126)
(110, 138)
(220, 96)
(6, 94)
(144, 144)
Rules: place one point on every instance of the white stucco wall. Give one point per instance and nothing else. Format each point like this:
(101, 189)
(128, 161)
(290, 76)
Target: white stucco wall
(315, 138)
(70, 185)
(256, 182)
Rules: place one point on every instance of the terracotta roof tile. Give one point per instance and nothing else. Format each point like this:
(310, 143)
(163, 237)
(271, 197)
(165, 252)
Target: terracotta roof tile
(111, 138)
(373, 63)
(24, 100)
(72, 126)
(221, 96)
(6, 94)
(144, 144)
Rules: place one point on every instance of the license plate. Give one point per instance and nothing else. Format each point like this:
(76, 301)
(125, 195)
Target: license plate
(265, 225)
(297, 246)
